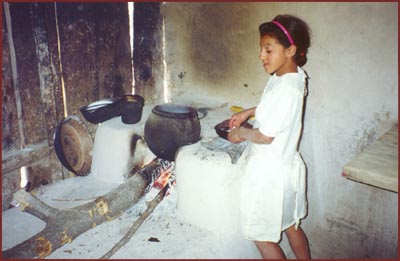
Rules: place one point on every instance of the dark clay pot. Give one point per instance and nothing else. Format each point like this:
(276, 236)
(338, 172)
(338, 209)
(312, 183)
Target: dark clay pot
(170, 126)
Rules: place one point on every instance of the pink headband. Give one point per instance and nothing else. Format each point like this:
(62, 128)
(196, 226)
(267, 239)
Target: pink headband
(285, 31)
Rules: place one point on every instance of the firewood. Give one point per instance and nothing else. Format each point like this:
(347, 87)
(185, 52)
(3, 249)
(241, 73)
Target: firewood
(151, 206)
(63, 226)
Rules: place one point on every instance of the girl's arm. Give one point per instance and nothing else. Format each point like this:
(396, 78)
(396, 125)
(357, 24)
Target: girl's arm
(239, 134)
(253, 135)
(238, 118)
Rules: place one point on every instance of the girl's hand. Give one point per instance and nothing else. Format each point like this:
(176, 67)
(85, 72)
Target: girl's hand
(238, 118)
(234, 135)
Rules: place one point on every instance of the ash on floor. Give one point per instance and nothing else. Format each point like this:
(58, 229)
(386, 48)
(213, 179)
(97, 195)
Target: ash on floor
(162, 235)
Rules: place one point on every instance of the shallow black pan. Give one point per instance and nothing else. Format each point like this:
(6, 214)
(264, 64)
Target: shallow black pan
(102, 110)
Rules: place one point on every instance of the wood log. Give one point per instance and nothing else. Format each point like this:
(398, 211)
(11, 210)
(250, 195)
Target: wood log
(135, 226)
(62, 226)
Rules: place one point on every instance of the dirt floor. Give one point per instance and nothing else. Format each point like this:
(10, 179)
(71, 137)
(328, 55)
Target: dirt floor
(162, 235)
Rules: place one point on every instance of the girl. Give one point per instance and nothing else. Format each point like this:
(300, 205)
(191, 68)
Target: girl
(273, 191)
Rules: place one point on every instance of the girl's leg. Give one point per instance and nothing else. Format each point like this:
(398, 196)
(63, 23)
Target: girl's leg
(298, 242)
(270, 250)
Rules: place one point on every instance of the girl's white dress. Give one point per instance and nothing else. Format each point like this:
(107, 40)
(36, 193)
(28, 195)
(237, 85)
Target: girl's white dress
(273, 195)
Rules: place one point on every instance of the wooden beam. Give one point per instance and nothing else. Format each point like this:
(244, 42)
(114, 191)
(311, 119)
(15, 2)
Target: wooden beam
(14, 74)
(148, 52)
(46, 78)
(16, 159)
(63, 226)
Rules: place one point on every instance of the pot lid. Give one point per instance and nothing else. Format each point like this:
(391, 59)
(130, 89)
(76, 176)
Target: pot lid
(73, 145)
(171, 110)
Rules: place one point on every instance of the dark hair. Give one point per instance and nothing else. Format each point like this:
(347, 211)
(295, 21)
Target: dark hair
(298, 30)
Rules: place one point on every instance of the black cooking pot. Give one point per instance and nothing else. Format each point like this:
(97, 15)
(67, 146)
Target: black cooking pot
(131, 108)
(170, 126)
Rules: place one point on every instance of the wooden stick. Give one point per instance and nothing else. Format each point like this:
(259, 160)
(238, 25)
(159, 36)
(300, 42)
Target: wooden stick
(151, 206)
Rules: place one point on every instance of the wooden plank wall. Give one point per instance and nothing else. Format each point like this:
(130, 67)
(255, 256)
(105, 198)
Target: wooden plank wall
(94, 63)
(148, 52)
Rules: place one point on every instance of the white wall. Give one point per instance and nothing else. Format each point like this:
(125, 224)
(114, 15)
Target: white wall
(353, 99)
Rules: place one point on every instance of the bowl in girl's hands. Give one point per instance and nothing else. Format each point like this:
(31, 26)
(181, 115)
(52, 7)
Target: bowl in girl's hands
(223, 129)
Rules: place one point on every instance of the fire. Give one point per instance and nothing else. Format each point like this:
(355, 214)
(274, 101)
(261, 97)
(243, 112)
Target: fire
(163, 175)
(163, 179)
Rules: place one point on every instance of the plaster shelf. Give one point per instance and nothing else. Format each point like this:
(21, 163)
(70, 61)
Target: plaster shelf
(378, 164)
